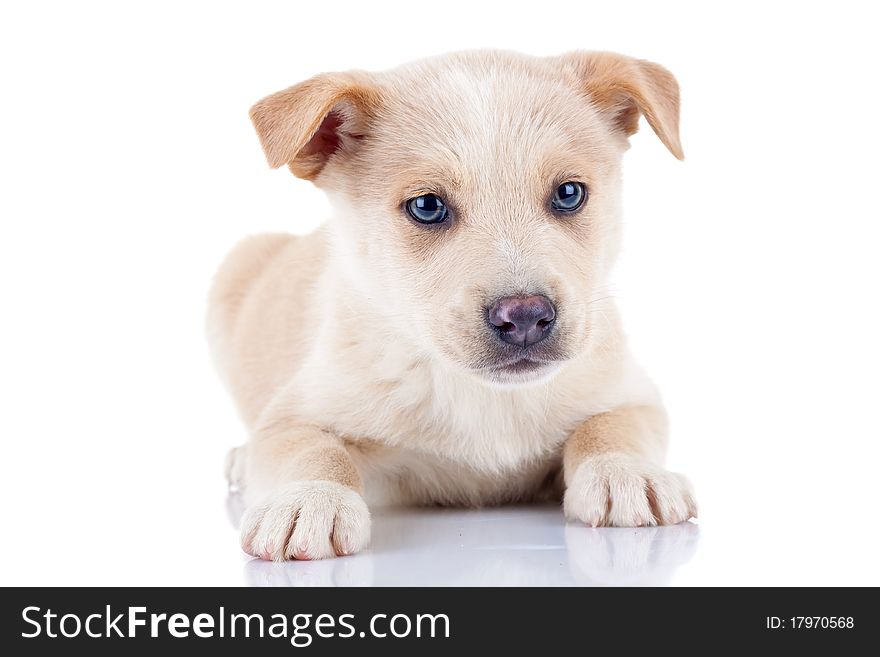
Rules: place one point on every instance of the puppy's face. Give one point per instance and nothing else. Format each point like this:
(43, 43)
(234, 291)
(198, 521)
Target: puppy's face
(477, 194)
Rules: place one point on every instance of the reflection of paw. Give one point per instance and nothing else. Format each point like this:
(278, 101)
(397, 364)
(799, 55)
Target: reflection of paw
(307, 520)
(646, 556)
(623, 491)
(355, 571)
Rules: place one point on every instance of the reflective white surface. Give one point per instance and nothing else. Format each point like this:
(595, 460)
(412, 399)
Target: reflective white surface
(512, 546)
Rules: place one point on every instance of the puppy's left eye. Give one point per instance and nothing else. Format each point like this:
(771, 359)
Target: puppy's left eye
(569, 197)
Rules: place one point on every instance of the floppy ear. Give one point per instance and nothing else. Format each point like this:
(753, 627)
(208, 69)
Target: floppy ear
(307, 124)
(622, 88)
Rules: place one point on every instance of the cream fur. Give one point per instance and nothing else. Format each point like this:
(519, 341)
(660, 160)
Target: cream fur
(359, 355)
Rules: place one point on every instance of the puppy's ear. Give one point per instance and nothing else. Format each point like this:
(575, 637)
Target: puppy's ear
(622, 88)
(305, 125)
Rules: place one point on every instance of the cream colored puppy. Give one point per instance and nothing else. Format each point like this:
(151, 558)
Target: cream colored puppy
(446, 337)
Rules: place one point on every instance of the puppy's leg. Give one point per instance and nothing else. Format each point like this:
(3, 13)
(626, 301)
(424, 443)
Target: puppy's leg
(235, 466)
(613, 474)
(304, 495)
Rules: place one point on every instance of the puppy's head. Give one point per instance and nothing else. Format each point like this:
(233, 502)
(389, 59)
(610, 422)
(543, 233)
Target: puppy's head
(477, 194)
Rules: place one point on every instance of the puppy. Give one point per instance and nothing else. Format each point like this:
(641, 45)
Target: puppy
(447, 336)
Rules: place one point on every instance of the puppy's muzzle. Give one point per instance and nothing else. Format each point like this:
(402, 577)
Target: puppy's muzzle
(522, 320)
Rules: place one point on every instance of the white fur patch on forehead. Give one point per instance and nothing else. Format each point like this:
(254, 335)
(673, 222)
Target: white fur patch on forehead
(486, 109)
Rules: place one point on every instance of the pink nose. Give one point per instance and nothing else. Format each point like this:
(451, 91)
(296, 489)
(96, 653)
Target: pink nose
(522, 320)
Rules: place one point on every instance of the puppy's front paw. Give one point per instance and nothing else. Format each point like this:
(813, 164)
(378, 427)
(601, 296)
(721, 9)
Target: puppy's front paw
(307, 520)
(623, 491)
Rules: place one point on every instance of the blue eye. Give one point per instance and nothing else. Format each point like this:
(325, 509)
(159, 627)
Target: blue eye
(569, 196)
(427, 209)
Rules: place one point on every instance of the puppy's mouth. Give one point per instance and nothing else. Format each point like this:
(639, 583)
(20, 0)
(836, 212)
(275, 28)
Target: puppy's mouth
(521, 370)
(520, 366)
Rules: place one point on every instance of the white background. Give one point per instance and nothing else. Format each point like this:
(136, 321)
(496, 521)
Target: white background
(128, 167)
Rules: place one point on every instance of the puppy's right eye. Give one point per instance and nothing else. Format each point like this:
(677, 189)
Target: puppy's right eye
(427, 209)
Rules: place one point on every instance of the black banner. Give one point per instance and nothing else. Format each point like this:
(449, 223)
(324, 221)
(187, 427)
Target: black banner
(432, 621)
